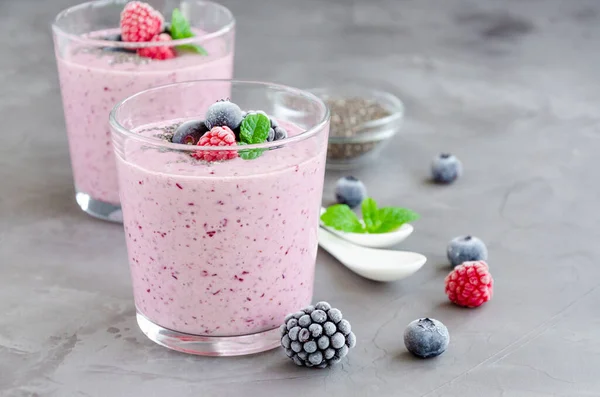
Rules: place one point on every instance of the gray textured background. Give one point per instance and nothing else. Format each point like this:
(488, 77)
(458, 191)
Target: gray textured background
(511, 87)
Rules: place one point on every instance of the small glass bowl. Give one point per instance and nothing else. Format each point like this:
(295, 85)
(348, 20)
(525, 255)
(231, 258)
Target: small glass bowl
(367, 139)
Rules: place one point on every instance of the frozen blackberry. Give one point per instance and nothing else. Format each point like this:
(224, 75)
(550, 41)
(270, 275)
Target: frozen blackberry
(190, 132)
(224, 114)
(317, 337)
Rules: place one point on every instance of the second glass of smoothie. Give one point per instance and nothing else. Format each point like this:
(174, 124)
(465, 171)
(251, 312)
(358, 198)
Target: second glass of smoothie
(97, 69)
(220, 251)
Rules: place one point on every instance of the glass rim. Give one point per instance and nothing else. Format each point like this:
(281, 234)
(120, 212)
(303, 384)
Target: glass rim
(307, 133)
(125, 44)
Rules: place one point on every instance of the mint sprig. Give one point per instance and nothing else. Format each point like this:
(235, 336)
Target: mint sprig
(181, 29)
(375, 220)
(254, 129)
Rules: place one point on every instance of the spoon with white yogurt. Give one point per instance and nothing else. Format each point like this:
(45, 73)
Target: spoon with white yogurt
(371, 263)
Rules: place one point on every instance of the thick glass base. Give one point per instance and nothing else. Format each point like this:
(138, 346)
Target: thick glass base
(99, 209)
(209, 345)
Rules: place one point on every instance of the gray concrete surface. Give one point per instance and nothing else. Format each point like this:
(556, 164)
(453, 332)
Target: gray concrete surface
(511, 87)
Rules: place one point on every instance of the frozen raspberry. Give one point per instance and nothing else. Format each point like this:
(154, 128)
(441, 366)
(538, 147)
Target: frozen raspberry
(217, 136)
(162, 52)
(140, 22)
(470, 284)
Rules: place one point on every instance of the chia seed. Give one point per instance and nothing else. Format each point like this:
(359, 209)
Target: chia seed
(347, 117)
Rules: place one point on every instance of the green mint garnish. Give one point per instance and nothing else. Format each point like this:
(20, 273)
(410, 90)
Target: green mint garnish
(250, 154)
(255, 128)
(375, 220)
(181, 29)
(341, 217)
(393, 217)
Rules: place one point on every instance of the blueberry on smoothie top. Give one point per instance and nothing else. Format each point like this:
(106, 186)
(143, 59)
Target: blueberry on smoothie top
(224, 113)
(190, 132)
(350, 191)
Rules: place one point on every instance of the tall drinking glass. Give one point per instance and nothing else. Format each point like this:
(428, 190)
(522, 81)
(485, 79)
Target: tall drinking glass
(220, 252)
(96, 72)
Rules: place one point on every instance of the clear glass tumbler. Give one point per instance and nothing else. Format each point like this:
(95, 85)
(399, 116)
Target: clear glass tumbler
(95, 73)
(220, 252)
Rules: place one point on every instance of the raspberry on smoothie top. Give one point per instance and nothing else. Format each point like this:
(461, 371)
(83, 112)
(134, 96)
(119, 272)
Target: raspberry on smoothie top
(142, 23)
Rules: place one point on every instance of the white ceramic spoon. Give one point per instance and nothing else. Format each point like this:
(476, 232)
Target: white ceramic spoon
(371, 263)
(379, 240)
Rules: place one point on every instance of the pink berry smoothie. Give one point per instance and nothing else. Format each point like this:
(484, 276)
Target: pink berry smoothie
(222, 249)
(93, 81)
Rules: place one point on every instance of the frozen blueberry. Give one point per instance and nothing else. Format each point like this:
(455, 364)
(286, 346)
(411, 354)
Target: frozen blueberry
(323, 306)
(329, 328)
(271, 136)
(116, 37)
(293, 334)
(319, 316)
(323, 342)
(286, 342)
(310, 347)
(291, 323)
(280, 133)
(315, 358)
(335, 315)
(351, 340)
(224, 114)
(445, 168)
(316, 330)
(344, 327)
(466, 248)
(426, 337)
(337, 340)
(303, 335)
(296, 346)
(350, 191)
(190, 132)
(304, 321)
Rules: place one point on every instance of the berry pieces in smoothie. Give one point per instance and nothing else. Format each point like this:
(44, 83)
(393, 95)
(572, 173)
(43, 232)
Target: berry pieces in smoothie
(466, 248)
(217, 136)
(426, 337)
(350, 191)
(445, 168)
(190, 132)
(140, 22)
(224, 114)
(162, 52)
(319, 338)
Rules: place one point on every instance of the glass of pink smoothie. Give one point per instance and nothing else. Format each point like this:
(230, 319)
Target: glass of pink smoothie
(220, 252)
(96, 72)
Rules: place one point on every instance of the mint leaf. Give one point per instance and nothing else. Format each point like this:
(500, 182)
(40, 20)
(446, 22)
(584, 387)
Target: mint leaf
(370, 215)
(392, 218)
(340, 217)
(180, 29)
(195, 48)
(255, 128)
(250, 154)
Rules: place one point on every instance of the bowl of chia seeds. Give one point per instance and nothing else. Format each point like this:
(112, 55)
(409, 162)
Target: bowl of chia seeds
(362, 120)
